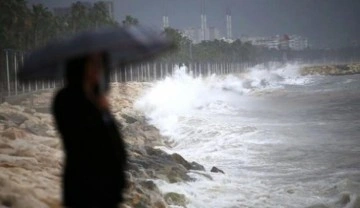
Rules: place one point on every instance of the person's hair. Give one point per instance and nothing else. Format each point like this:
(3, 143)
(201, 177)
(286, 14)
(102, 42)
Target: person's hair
(75, 69)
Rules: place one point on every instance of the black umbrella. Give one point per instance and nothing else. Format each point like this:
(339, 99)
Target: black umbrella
(126, 44)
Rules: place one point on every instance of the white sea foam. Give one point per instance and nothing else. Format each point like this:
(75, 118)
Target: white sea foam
(220, 121)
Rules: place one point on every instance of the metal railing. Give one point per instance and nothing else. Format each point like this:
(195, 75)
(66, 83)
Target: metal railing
(11, 61)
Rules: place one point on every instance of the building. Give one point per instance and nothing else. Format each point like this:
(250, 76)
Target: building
(228, 24)
(214, 33)
(196, 34)
(298, 43)
(279, 42)
(110, 8)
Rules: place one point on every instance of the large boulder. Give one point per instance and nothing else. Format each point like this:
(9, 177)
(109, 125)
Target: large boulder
(216, 170)
(176, 199)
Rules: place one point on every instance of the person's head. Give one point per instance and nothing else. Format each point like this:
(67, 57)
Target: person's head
(89, 72)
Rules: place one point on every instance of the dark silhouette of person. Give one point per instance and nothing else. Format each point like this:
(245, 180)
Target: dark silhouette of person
(95, 156)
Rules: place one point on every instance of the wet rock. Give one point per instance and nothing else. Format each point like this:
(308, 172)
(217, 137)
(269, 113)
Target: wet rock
(216, 170)
(36, 127)
(129, 119)
(177, 174)
(179, 159)
(31, 154)
(290, 191)
(331, 69)
(197, 166)
(344, 200)
(14, 133)
(149, 185)
(176, 199)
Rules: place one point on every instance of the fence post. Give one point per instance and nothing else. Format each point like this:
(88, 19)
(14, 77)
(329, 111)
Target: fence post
(15, 74)
(22, 64)
(125, 73)
(161, 71)
(199, 69)
(154, 72)
(8, 72)
(209, 69)
(116, 75)
(139, 71)
(131, 73)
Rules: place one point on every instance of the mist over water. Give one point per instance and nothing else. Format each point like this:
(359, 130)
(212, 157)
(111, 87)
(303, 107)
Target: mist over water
(283, 140)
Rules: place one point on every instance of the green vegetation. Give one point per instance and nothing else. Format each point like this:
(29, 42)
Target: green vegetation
(25, 28)
(210, 51)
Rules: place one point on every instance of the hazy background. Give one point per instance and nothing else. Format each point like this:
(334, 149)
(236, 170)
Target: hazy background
(327, 23)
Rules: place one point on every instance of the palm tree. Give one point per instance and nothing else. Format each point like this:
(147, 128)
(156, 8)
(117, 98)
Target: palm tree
(79, 19)
(43, 25)
(129, 20)
(99, 15)
(13, 21)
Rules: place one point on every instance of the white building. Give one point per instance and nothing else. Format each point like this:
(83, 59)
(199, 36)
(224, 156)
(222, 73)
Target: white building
(279, 42)
(195, 34)
(298, 43)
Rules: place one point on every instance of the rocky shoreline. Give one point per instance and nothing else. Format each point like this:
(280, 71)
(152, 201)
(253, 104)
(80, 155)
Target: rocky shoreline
(343, 69)
(31, 154)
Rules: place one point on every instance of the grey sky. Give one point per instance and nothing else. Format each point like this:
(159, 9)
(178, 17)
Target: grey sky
(325, 22)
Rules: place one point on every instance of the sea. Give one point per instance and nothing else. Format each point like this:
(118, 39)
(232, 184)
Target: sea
(282, 139)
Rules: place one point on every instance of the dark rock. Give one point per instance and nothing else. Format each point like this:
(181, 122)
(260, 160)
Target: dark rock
(344, 200)
(216, 170)
(149, 185)
(17, 118)
(37, 129)
(177, 174)
(176, 199)
(2, 118)
(129, 119)
(155, 152)
(179, 159)
(197, 166)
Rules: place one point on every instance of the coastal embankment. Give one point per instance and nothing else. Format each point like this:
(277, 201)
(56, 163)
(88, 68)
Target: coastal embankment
(31, 157)
(336, 69)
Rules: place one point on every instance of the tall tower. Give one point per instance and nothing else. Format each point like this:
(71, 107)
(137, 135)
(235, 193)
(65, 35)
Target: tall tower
(228, 24)
(165, 16)
(203, 21)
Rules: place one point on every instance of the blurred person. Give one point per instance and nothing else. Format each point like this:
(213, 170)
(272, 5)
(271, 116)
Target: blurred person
(95, 155)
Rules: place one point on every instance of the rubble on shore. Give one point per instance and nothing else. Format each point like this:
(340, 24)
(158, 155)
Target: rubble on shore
(343, 69)
(31, 154)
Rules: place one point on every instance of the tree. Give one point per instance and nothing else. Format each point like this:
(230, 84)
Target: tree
(42, 25)
(14, 23)
(79, 19)
(99, 15)
(129, 21)
(182, 44)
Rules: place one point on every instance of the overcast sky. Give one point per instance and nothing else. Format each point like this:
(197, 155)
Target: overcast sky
(325, 22)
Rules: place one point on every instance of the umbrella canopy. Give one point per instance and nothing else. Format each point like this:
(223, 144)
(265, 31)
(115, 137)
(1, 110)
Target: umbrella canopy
(126, 44)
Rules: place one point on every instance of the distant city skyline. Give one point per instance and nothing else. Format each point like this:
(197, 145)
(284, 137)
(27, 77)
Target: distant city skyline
(326, 23)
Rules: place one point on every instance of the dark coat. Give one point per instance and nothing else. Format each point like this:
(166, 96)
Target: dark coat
(95, 157)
